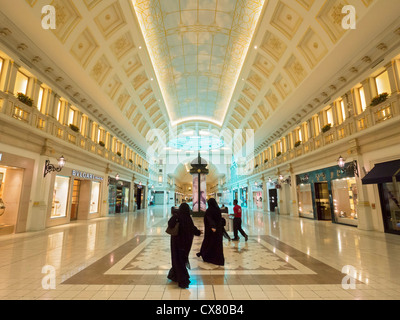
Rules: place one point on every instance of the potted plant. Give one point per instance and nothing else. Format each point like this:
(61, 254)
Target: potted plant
(24, 99)
(379, 99)
(266, 160)
(119, 154)
(101, 143)
(278, 154)
(130, 160)
(298, 143)
(256, 166)
(326, 128)
(74, 127)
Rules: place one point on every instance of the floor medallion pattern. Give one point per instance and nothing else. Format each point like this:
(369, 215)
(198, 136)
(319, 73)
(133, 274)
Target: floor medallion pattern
(260, 260)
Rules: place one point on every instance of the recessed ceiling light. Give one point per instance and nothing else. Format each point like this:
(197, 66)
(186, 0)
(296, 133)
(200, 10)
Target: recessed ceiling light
(255, 47)
(140, 47)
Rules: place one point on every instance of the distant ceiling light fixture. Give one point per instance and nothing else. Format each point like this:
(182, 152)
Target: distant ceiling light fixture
(255, 47)
(117, 177)
(48, 167)
(140, 47)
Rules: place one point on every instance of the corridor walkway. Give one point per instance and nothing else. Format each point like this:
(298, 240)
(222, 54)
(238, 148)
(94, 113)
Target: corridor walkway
(127, 257)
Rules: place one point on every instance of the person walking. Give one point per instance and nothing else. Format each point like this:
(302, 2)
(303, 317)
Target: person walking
(237, 222)
(212, 248)
(181, 245)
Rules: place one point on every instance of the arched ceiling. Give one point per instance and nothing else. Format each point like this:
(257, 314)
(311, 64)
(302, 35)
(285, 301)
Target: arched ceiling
(218, 64)
(182, 175)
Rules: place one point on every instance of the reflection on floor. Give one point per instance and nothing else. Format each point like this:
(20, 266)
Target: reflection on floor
(127, 257)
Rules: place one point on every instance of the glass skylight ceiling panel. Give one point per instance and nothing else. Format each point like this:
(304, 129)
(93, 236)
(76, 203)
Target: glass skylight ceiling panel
(202, 30)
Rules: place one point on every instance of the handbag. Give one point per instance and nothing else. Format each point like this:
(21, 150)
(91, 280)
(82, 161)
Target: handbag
(173, 231)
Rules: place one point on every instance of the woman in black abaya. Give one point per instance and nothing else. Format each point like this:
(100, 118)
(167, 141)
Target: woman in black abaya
(211, 248)
(181, 245)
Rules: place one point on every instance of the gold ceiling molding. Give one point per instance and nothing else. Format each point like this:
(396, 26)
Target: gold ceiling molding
(197, 49)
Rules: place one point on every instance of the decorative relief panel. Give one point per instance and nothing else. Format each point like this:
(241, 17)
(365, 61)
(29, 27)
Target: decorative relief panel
(132, 65)
(31, 2)
(123, 99)
(101, 70)
(90, 4)
(312, 48)
(282, 86)
(129, 112)
(306, 3)
(84, 47)
(113, 86)
(330, 17)
(122, 45)
(295, 70)
(67, 18)
(286, 20)
(110, 20)
(273, 45)
(264, 65)
(272, 99)
(136, 119)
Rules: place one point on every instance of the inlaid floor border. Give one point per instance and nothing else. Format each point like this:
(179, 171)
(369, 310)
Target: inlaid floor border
(96, 273)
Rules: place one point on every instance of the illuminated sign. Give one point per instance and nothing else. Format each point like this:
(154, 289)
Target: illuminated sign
(85, 175)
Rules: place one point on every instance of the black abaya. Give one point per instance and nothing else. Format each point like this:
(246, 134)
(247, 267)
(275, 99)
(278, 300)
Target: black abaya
(211, 248)
(181, 245)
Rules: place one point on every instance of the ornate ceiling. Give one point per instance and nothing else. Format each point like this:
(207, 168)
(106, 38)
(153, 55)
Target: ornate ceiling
(197, 48)
(140, 65)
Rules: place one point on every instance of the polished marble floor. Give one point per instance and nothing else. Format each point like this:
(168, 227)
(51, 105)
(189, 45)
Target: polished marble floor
(127, 257)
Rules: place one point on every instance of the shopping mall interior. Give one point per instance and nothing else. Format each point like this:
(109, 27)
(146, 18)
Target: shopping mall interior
(115, 112)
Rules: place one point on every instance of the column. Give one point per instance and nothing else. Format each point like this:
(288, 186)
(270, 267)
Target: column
(10, 70)
(42, 198)
(53, 100)
(391, 69)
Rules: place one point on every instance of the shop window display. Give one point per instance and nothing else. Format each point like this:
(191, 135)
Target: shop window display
(60, 197)
(305, 200)
(344, 192)
(94, 198)
(390, 199)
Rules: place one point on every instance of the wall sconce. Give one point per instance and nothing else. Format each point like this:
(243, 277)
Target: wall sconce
(116, 178)
(48, 167)
(350, 166)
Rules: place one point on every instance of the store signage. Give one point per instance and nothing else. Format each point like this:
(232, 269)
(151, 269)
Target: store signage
(85, 175)
(326, 174)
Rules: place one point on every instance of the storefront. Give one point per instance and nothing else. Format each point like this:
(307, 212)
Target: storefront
(257, 190)
(328, 194)
(140, 196)
(387, 176)
(118, 196)
(243, 196)
(15, 187)
(75, 195)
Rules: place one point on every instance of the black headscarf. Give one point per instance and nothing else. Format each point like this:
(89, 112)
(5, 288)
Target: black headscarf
(186, 228)
(212, 203)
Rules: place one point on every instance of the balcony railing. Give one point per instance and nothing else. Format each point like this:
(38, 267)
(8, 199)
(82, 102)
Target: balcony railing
(31, 116)
(370, 117)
